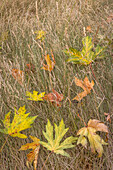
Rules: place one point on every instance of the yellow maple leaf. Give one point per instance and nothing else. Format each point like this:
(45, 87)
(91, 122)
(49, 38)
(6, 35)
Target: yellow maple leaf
(40, 35)
(50, 64)
(85, 85)
(21, 121)
(35, 96)
(95, 140)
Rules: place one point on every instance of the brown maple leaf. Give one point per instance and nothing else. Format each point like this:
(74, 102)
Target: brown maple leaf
(85, 85)
(54, 97)
(18, 75)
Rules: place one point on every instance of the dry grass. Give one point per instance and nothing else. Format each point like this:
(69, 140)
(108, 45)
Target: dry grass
(64, 22)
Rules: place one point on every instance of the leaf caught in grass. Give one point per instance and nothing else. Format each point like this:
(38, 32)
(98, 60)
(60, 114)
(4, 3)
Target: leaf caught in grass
(33, 155)
(88, 28)
(20, 122)
(35, 96)
(55, 145)
(54, 97)
(30, 68)
(95, 140)
(85, 85)
(87, 55)
(40, 35)
(18, 75)
(3, 36)
(50, 64)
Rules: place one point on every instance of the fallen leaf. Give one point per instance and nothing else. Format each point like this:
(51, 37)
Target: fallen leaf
(35, 96)
(33, 155)
(30, 68)
(54, 97)
(50, 64)
(54, 144)
(20, 122)
(89, 132)
(110, 18)
(40, 35)
(18, 75)
(87, 55)
(85, 85)
(88, 28)
(108, 117)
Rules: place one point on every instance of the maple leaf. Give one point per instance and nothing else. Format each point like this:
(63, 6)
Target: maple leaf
(95, 140)
(50, 64)
(20, 122)
(33, 155)
(30, 68)
(35, 96)
(85, 85)
(87, 55)
(40, 35)
(88, 28)
(54, 97)
(18, 75)
(54, 145)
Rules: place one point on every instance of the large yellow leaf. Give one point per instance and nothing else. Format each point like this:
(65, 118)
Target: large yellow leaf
(20, 122)
(95, 140)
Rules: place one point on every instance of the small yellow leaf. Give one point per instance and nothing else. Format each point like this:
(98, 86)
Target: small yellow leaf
(40, 35)
(35, 96)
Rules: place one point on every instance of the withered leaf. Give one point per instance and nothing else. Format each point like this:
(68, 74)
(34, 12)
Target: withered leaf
(18, 75)
(85, 85)
(54, 97)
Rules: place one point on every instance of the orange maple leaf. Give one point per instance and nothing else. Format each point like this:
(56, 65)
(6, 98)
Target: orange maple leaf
(88, 28)
(50, 64)
(54, 97)
(18, 75)
(85, 85)
(33, 155)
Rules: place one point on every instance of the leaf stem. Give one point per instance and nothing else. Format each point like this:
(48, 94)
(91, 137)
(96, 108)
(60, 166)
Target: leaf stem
(4, 143)
(82, 119)
(46, 159)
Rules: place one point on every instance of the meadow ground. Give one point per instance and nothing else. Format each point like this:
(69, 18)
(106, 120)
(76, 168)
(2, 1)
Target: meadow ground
(65, 23)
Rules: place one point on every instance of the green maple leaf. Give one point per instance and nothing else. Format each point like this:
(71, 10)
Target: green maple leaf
(95, 140)
(35, 96)
(20, 122)
(87, 55)
(54, 145)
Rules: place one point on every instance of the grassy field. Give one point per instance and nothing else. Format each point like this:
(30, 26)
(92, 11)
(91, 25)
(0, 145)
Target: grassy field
(65, 23)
